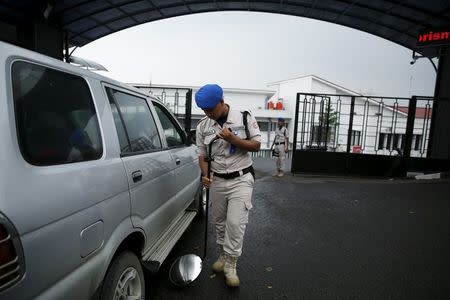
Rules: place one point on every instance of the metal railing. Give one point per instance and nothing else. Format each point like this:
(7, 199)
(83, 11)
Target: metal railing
(267, 153)
(363, 124)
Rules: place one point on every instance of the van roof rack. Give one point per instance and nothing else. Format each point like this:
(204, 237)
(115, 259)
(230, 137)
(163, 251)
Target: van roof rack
(86, 63)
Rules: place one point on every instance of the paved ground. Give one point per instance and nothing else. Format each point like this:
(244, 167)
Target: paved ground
(313, 237)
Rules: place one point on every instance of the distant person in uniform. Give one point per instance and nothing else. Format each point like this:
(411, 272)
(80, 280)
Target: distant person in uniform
(280, 145)
(232, 181)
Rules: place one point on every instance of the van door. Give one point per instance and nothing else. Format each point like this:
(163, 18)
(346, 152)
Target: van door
(187, 171)
(149, 167)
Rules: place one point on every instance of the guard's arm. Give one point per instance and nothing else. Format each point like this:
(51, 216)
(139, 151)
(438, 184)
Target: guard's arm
(286, 140)
(204, 170)
(273, 143)
(249, 145)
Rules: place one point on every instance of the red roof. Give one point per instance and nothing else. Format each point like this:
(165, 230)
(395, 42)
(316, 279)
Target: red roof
(421, 112)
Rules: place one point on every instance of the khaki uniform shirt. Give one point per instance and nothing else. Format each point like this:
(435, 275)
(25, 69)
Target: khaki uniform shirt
(227, 159)
(281, 135)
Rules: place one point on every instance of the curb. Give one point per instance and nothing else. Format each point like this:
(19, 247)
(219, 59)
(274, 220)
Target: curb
(432, 176)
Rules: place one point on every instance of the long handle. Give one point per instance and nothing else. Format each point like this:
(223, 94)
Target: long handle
(207, 196)
(206, 223)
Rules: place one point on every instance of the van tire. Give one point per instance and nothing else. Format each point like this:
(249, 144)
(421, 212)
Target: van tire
(126, 270)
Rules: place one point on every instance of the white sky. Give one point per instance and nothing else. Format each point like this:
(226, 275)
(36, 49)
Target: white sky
(249, 50)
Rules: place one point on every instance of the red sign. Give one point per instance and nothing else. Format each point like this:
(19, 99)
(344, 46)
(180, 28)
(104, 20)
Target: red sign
(357, 149)
(433, 37)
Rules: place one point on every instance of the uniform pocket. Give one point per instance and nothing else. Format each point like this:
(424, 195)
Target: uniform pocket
(248, 205)
(249, 179)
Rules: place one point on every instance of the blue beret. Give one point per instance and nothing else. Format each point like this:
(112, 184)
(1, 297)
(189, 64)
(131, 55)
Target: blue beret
(208, 96)
(281, 120)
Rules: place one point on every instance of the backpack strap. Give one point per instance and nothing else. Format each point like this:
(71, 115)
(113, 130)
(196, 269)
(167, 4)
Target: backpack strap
(245, 121)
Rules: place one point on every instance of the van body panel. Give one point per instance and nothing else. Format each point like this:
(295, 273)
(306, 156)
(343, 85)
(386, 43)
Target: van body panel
(154, 190)
(187, 173)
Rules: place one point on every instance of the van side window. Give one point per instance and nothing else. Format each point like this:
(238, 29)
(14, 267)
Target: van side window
(55, 116)
(135, 125)
(172, 131)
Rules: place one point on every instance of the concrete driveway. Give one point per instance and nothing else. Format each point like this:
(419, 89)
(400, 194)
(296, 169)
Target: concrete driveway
(313, 237)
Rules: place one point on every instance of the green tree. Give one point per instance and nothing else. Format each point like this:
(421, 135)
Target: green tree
(328, 117)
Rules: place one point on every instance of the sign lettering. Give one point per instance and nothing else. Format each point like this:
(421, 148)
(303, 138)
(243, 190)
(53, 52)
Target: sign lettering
(433, 37)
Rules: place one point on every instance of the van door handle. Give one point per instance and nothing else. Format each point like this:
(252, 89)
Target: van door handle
(177, 161)
(137, 175)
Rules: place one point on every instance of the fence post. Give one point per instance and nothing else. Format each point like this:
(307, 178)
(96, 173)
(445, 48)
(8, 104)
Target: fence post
(328, 121)
(410, 126)
(350, 124)
(294, 145)
(188, 111)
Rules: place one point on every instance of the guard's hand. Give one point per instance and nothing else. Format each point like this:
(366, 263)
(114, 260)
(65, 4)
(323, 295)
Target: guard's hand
(286, 149)
(226, 134)
(206, 181)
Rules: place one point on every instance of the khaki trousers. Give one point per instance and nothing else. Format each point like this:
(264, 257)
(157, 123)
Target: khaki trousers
(231, 203)
(281, 157)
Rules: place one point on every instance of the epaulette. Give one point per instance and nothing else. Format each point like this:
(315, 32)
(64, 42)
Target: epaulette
(202, 120)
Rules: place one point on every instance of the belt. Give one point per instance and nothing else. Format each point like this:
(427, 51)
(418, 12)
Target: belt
(279, 143)
(235, 174)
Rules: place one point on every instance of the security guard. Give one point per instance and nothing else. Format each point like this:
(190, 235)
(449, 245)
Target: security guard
(281, 144)
(232, 181)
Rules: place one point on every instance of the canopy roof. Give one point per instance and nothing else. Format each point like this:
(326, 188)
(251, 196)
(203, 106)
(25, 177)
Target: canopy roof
(85, 21)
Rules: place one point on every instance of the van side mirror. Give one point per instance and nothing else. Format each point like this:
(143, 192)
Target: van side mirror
(191, 137)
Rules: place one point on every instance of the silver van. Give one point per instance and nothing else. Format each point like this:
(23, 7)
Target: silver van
(97, 181)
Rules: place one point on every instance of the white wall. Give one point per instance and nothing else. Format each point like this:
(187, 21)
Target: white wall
(239, 100)
(287, 90)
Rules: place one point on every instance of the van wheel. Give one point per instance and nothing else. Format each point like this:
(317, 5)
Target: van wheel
(124, 279)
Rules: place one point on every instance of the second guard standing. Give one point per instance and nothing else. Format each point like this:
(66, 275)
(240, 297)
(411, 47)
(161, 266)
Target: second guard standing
(281, 144)
(232, 181)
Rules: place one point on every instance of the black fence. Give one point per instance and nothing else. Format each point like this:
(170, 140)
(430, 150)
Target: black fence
(365, 135)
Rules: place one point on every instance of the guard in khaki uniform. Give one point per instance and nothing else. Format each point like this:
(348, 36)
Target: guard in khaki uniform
(232, 181)
(281, 143)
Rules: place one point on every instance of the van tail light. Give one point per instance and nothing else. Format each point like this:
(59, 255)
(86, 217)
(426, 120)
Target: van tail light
(11, 257)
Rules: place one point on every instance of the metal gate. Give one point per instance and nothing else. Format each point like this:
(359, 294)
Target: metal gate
(363, 135)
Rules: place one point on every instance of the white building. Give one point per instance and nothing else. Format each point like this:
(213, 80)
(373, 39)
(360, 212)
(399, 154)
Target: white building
(379, 125)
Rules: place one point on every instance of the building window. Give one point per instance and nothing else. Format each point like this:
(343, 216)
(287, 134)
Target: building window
(397, 141)
(417, 141)
(263, 126)
(356, 137)
(389, 141)
(381, 139)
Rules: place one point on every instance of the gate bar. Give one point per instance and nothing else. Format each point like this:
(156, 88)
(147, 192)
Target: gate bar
(297, 106)
(410, 126)
(350, 125)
